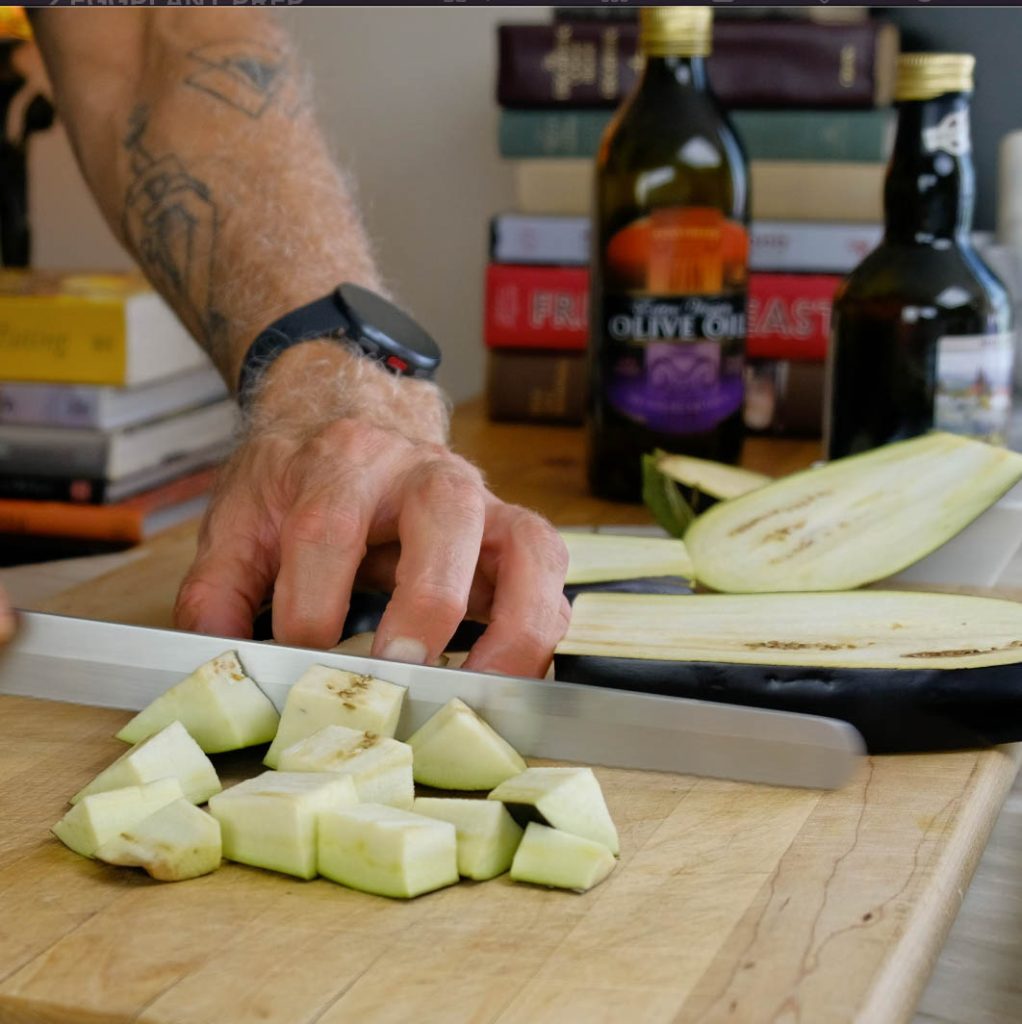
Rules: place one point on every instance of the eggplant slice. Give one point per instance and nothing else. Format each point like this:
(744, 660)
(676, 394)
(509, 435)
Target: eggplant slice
(853, 521)
(602, 557)
(715, 480)
(912, 672)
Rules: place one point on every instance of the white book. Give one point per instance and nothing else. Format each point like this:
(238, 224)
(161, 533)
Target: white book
(113, 455)
(107, 408)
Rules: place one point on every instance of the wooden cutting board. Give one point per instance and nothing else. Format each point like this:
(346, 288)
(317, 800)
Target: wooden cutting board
(731, 902)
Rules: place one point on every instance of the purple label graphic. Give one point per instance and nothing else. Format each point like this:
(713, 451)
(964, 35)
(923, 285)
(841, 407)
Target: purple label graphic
(675, 387)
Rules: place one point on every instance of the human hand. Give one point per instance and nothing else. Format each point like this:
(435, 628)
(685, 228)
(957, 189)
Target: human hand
(314, 502)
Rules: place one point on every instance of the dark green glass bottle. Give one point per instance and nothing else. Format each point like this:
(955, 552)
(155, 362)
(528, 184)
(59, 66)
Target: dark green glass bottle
(921, 331)
(670, 265)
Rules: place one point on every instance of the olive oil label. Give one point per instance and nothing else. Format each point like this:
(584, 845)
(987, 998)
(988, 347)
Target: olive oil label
(972, 393)
(673, 319)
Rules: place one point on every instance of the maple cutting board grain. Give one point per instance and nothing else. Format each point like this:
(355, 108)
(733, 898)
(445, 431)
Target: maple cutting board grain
(731, 902)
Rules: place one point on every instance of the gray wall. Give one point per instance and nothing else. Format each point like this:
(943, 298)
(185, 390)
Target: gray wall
(994, 35)
(407, 101)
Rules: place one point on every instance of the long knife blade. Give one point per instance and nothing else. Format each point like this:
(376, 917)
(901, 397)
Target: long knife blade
(111, 665)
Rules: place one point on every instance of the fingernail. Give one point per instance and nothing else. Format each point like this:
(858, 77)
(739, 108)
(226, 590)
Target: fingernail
(405, 648)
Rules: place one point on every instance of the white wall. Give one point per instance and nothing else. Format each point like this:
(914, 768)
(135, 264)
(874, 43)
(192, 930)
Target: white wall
(407, 100)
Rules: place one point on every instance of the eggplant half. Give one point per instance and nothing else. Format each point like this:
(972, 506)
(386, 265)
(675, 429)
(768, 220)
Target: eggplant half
(911, 671)
(851, 522)
(677, 488)
(714, 480)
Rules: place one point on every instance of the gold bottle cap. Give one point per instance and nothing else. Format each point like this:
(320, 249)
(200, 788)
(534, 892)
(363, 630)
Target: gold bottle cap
(923, 76)
(675, 31)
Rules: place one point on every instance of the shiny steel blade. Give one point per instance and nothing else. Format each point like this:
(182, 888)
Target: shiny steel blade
(110, 665)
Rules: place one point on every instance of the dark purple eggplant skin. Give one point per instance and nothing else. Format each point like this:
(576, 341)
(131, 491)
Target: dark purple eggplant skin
(898, 711)
(367, 608)
(645, 585)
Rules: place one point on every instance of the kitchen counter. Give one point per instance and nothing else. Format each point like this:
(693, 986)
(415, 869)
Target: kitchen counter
(731, 902)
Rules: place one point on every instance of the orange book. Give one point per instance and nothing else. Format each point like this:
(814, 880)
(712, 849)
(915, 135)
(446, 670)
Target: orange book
(129, 521)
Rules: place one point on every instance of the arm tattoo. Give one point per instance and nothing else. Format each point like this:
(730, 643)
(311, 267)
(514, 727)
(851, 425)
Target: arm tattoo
(171, 221)
(244, 75)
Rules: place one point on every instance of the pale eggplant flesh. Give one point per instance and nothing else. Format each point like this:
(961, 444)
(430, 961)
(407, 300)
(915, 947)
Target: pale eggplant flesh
(912, 672)
(851, 522)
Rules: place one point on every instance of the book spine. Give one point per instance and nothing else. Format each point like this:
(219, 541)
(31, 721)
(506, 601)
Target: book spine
(842, 135)
(24, 549)
(795, 190)
(536, 307)
(787, 246)
(54, 519)
(124, 521)
(536, 387)
(553, 133)
(63, 342)
(810, 248)
(789, 315)
(753, 64)
(547, 308)
(32, 451)
(539, 240)
(784, 397)
(803, 190)
(29, 487)
(854, 136)
(57, 406)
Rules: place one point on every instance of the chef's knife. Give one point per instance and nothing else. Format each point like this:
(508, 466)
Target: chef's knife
(111, 665)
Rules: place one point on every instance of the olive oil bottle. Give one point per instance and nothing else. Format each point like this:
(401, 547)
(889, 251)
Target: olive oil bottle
(921, 331)
(670, 265)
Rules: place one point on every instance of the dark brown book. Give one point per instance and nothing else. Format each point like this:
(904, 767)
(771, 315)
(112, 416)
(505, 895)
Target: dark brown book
(775, 63)
(536, 386)
(784, 397)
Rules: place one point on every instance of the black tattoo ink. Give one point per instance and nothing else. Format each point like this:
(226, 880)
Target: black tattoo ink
(244, 75)
(171, 222)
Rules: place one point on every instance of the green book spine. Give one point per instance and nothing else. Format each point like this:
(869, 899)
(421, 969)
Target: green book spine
(534, 133)
(845, 135)
(851, 136)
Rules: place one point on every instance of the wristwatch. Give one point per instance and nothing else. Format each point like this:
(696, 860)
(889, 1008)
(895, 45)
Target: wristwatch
(352, 314)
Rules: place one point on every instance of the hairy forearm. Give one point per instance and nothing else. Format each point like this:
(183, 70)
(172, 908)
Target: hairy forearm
(197, 136)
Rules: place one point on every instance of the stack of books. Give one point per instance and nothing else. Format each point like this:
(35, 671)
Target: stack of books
(111, 417)
(811, 102)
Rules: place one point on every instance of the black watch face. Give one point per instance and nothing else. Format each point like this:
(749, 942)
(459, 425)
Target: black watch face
(399, 340)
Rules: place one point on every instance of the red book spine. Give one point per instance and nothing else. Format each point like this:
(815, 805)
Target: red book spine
(124, 521)
(789, 315)
(536, 307)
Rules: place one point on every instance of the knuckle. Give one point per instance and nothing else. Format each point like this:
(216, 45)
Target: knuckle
(450, 484)
(534, 637)
(439, 600)
(537, 535)
(327, 522)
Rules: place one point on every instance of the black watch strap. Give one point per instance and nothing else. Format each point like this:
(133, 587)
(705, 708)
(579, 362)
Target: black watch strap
(368, 321)
(319, 319)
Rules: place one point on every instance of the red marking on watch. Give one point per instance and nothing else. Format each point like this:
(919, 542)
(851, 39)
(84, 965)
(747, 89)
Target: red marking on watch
(396, 363)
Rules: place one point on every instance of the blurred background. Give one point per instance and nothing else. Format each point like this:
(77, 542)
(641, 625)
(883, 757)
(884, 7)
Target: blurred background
(470, 134)
(408, 100)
